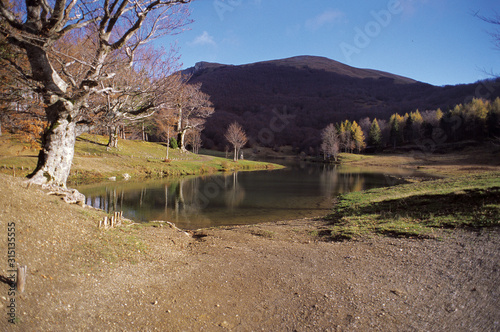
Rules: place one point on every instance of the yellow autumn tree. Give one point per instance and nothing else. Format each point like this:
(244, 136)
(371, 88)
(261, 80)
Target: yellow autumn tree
(357, 136)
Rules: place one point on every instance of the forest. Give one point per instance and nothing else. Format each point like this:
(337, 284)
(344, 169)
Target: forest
(288, 102)
(429, 131)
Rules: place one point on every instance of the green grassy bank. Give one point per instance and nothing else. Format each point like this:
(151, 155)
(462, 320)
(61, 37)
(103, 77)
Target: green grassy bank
(93, 161)
(418, 209)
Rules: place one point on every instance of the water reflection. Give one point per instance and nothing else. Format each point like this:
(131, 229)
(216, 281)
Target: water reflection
(239, 198)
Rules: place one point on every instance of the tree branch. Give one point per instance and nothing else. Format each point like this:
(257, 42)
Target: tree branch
(9, 17)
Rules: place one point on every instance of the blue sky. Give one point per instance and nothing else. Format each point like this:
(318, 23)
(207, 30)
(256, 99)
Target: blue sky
(433, 41)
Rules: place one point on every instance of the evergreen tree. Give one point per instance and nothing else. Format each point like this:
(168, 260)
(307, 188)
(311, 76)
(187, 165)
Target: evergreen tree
(417, 123)
(493, 119)
(495, 105)
(375, 135)
(474, 116)
(173, 143)
(408, 133)
(395, 131)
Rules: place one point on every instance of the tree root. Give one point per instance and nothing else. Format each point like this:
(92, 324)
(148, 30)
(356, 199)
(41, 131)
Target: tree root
(70, 196)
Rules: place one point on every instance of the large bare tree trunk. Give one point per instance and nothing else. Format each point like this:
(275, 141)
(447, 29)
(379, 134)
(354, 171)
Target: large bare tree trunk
(182, 136)
(113, 136)
(119, 26)
(58, 146)
(168, 146)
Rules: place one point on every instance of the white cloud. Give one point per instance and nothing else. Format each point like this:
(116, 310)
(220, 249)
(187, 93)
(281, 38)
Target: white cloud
(203, 39)
(326, 18)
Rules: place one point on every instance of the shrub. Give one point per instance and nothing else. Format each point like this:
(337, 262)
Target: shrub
(173, 143)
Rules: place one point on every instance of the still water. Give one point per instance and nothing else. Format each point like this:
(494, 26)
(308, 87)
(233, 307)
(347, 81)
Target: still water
(298, 191)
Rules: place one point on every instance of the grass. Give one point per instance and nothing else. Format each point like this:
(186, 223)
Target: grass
(263, 233)
(418, 209)
(351, 157)
(93, 161)
(147, 160)
(113, 246)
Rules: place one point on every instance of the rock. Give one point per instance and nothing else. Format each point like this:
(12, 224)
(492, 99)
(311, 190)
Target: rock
(225, 324)
(450, 307)
(70, 196)
(398, 292)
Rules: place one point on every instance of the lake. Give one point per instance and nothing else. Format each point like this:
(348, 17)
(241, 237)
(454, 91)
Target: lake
(298, 191)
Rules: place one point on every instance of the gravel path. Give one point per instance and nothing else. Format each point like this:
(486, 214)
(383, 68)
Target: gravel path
(271, 277)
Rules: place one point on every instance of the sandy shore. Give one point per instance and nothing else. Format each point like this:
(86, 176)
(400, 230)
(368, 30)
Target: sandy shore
(272, 277)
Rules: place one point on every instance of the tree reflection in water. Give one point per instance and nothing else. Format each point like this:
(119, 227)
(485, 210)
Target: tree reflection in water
(238, 198)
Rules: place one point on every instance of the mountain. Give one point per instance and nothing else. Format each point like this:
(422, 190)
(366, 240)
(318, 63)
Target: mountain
(288, 101)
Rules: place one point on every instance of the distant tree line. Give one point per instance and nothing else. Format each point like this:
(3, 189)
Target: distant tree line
(477, 120)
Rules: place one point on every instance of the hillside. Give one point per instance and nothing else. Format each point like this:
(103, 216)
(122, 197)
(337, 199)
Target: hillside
(93, 161)
(287, 102)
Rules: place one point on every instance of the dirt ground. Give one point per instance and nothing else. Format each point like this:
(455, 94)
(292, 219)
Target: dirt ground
(270, 277)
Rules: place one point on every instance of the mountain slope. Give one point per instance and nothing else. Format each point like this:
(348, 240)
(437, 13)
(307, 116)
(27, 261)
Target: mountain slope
(288, 101)
(332, 66)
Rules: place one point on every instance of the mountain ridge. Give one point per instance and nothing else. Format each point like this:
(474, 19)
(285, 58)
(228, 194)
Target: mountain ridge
(311, 61)
(318, 62)
(310, 92)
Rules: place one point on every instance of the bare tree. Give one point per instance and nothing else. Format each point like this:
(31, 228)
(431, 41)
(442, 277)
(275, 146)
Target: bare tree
(138, 92)
(165, 121)
(65, 81)
(194, 139)
(330, 142)
(21, 109)
(193, 108)
(365, 124)
(237, 137)
(495, 20)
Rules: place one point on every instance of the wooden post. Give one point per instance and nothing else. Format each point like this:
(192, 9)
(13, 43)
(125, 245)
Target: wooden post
(113, 221)
(21, 278)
